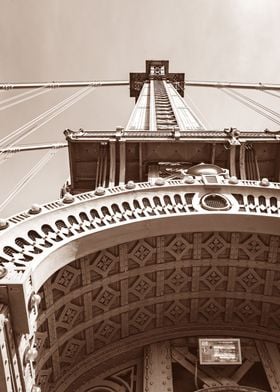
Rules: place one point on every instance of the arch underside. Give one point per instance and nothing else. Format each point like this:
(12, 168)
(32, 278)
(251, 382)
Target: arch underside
(104, 307)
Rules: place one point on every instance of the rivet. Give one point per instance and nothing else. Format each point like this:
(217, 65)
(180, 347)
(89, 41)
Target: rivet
(3, 271)
(159, 181)
(35, 209)
(68, 198)
(35, 300)
(30, 354)
(188, 180)
(3, 224)
(130, 185)
(99, 191)
(233, 180)
(264, 182)
(35, 388)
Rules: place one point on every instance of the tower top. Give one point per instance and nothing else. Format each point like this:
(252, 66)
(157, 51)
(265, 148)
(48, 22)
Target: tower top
(155, 70)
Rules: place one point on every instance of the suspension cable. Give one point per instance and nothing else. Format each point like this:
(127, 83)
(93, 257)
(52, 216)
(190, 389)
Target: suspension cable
(244, 102)
(41, 116)
(97, 83)
(28, 177)
(270, 93)
(59, 108)
(26, 98)
(196, 108)
(34, 147)
(9, 152)
(273, 112)
(59, 111)
(19, 95)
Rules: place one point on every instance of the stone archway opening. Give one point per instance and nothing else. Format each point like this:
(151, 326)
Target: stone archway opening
(104, 309)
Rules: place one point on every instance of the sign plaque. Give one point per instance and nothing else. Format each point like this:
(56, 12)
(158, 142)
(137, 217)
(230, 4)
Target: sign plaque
(219, 352)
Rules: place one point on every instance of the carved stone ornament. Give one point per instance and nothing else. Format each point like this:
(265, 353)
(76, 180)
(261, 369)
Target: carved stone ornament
(214, 202)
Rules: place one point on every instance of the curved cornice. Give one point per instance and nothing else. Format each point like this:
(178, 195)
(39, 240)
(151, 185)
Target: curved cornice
(40, 242)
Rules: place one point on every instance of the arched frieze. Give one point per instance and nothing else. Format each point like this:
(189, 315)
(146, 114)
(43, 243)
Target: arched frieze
(45, 264)
(29, 241)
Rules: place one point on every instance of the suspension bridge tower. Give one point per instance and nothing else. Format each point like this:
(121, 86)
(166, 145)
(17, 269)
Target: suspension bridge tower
(158, 270)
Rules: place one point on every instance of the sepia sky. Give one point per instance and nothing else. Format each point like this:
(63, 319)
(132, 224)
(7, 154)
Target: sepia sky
(225, 40)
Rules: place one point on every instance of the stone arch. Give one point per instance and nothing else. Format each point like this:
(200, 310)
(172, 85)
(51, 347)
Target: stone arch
(146, 289)
(68, 248)
(212, 250)
(126, 214)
